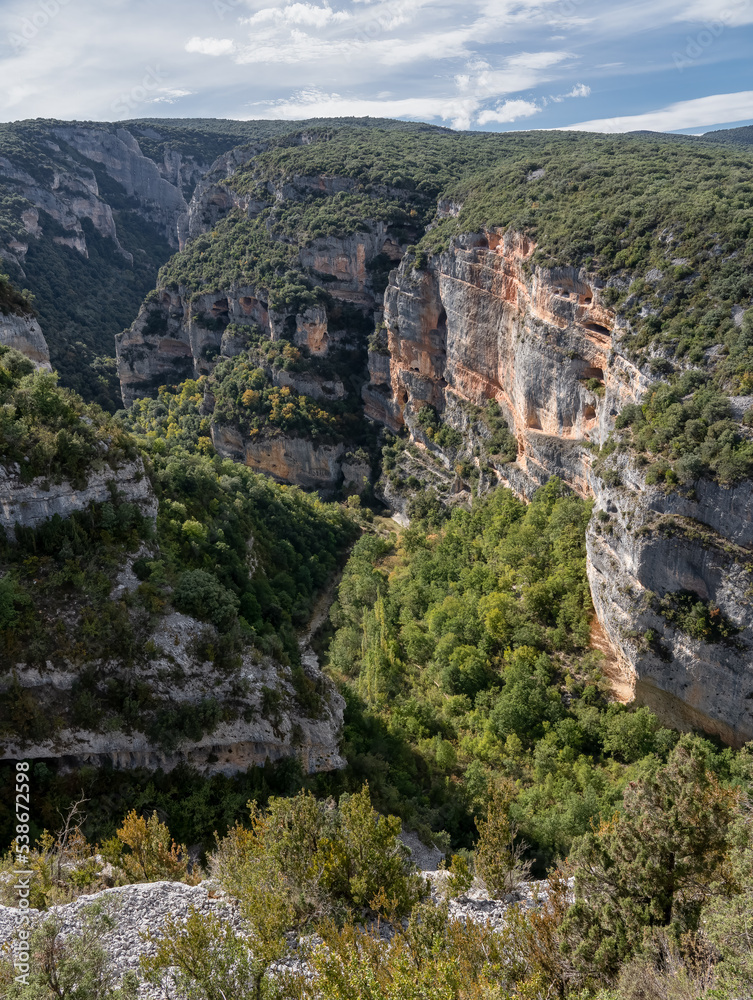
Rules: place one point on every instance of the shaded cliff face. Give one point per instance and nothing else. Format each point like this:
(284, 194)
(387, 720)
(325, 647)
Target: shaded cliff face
(479, 325)
(242, 711)
(320, 329)
(248, 735)
(32, 504)
(646, 545)
(89, 214)
(23, 333)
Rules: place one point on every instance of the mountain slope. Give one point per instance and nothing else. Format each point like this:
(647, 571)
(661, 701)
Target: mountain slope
(576, 306)
(88, 214)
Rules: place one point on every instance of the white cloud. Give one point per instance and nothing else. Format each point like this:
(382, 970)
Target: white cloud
(509, 111)
(702, 111)
(210, 46)
(298, 48)
(535, 60)
(579, 90)
(170, 96)
(298, 13)
(442, 45)
(717, 14)
(317, 104)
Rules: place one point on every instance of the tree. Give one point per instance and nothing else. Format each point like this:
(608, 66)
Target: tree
(654, 864)
(498, 858)
(201, 594)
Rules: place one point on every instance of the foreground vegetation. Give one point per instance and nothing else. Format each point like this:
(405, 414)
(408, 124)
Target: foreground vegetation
(615, 920)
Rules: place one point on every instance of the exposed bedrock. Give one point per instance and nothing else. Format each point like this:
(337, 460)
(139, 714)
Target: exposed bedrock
(297, 460)
(24, 334)
(31, 504)
(178, 677)
(160, 199)
(653, 544)
(170, 664)
(481, 323)
(178, 335)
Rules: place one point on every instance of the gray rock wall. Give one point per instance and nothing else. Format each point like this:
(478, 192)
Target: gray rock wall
(481, 323)
(24, 334)
(31, 504)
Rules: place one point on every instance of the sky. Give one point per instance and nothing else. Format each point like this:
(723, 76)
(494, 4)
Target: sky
(498, 65)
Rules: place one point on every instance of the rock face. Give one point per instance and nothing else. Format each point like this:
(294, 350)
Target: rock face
(180, 334)
(68, 191)
(480, 323)
(260, 716)
(296, 460)
(644, 543)
(160, 199)
(31, 504)
(24, 334)
(176, 675)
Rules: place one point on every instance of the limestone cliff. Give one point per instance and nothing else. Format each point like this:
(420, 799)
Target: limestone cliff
(245, 710)
(645, 543)
(23, 333)
(181, 333)
(177, 676)
(31, 504)
(479, 324)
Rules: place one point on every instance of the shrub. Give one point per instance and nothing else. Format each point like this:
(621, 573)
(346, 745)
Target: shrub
(498, 857)
(200, 594)
(151, 855)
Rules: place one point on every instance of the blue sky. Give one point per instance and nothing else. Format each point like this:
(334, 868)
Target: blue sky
(666, 65)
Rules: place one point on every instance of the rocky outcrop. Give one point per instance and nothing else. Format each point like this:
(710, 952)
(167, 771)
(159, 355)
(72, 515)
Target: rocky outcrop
(31, 504)
(256, 717)
(68, 191)
(137, 915)
(175, 675)
(160, 200)
(24, 334)
(179, 333)
(481, 324)
(645, 543)
(132, 911)
(297, 460)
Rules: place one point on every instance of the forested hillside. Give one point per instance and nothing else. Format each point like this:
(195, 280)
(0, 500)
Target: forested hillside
(429, 511)
(87, 233)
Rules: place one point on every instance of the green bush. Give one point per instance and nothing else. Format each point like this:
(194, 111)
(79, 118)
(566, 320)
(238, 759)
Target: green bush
(201, 594)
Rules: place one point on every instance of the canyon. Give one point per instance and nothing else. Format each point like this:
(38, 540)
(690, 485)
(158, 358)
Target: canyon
(495, 369)
(481, 324)
(478, 325)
